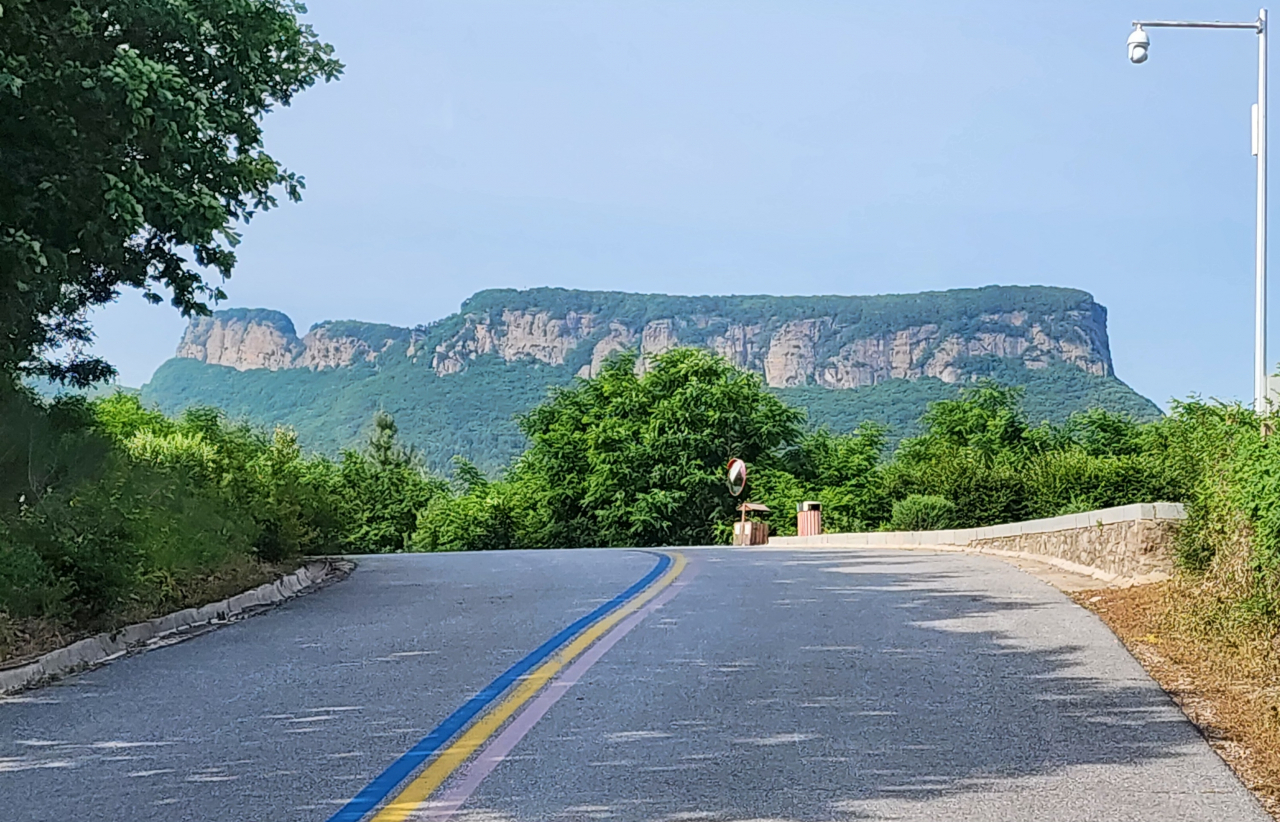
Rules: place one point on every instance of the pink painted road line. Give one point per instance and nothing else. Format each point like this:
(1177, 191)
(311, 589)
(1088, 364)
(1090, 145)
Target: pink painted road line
(459, 791)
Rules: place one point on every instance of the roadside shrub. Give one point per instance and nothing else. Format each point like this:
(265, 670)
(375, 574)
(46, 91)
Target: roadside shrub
(84, 537)
(28, 588)
(1072, 480)
(483, 514)
(110, 509)
(984, 489)
(843, 509)
(780, 491)
(921, 512)
(380, 511)
(843, 506)
(44, 446)
(467, 522)
(1201, 446)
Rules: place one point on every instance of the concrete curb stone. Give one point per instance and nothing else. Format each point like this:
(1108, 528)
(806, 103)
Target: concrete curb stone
(164, 630)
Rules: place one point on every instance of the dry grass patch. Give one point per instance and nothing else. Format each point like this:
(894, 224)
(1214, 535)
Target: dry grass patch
(1223, 671)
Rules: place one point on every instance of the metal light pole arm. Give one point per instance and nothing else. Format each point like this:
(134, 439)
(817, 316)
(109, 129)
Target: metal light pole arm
(1256, 25)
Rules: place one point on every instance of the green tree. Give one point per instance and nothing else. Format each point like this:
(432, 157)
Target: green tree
(843, 473)
(130, 149)
(383, 490)
(385, 450)
(623, 459)
(1101, 432)
(972, 453)
(486, 516)
(987, 418)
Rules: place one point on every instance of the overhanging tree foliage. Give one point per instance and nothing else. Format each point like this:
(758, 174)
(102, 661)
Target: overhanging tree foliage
(130, 149)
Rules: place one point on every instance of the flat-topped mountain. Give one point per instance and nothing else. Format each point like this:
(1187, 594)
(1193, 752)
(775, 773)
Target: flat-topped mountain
(456, 384)
(833, 342)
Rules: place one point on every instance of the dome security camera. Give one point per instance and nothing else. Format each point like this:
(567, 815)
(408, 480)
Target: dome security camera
(1139, 45)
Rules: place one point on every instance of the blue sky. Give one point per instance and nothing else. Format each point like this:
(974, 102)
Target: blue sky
(797, 147)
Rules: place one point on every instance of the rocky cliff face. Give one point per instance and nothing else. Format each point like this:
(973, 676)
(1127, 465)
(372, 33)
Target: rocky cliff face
(516, 335)
(814, 351)
(834, 342)
(258, 338)
(242, 340)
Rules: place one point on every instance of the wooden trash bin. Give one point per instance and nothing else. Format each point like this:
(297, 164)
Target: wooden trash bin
(808, 519)
(750, 532)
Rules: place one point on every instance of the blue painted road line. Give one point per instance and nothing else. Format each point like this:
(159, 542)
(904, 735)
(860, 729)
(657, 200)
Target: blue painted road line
(387, 781)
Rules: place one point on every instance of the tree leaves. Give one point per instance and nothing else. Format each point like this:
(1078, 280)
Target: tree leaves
(627, 460)
(130, 147)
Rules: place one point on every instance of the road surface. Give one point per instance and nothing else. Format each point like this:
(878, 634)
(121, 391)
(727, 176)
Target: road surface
(715, 684)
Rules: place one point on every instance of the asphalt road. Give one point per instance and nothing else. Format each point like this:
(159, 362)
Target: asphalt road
(758, 685)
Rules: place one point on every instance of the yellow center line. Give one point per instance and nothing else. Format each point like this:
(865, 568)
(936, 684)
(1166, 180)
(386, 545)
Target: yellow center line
(424, 784)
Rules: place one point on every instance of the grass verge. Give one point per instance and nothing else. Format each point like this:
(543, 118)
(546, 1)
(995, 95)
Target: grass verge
(1224, 675)
(22, 640)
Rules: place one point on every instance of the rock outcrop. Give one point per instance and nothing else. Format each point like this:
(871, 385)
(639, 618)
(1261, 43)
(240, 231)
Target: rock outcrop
(619, 338)
(833, 342)
(518, 335)
(810, 351)
(259, 338)
(322, 349)
(242, 340)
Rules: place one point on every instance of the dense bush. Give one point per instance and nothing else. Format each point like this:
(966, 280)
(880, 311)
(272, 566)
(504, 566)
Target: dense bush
(111, 509)
(921, 512)
(86, 528)
(377, 492)
(482, 515)
(840, 471)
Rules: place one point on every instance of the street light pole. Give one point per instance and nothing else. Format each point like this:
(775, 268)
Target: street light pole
(1260, 261)
(1139, 47)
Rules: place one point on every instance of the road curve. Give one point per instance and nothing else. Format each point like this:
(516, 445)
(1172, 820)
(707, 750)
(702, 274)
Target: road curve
(746, 684)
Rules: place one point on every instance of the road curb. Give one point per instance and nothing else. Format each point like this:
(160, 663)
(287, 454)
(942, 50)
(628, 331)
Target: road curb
(170, 628)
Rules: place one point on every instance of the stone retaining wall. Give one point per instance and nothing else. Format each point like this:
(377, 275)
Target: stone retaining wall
(1129, 542)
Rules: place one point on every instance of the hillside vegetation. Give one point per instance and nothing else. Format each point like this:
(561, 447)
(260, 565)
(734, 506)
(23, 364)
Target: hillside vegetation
(113, 510)
(474, 414)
